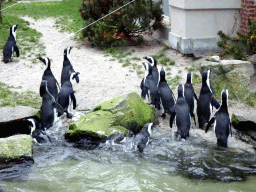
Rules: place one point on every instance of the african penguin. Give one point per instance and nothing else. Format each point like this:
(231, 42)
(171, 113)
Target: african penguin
(221, 120)
(66, 95)
(49, 77)
(153, 63)
(142, 138)
(206, 101)
(182, 113)
(190, 95)
(149, 87)
(67, 66)
(48, 107)
(167, 98)
(11, 46)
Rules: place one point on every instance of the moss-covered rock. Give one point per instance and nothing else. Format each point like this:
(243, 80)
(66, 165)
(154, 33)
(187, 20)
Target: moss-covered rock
(231, 74)
(117, 116)
(16, 148)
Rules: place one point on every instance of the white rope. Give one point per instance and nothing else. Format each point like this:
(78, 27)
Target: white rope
(9, 6)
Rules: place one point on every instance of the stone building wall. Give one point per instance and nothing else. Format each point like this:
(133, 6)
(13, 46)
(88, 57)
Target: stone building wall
(248, 10)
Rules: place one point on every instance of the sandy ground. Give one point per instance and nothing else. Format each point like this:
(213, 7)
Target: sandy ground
(100, 78)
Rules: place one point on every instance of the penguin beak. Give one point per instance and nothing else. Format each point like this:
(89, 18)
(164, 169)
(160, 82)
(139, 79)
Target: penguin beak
(145, 57)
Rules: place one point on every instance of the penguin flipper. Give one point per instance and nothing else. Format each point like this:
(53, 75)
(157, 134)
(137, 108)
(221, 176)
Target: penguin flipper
(209, 124)
(144, 92)
(173, 114)
(77, 79)
(58, 107)
(73, 98)
(16, 49)
(214, 102)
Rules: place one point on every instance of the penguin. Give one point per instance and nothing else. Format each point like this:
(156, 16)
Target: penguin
(66, 95)
(11, 46)
(167, 98)
(48, 107)
(182, 113)
(190, 95)
(206, 101)
(67, 66)
(221, 120)
(48, 75)
(153, 63)
(149, 87)
(142, 138)
(37, 133)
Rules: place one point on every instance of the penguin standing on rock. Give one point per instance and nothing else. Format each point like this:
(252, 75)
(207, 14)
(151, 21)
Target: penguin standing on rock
(49, 77)
(66, 95)
(142, 138)
(153, 63)
(182, 113)
(206, 101)
(190, 95)
(149, 87)
(67, 66)
(167, 98)
(11, 46)
(48, 107)
(221, 120)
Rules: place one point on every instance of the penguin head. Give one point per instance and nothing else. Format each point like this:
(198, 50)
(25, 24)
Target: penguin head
(148, 128)
(43, 88)
(181, 91)
(67, 52)
(151, 60)
(33, 124)
(162, 74)
(46, 61)
(148, 67)
(13, 29)
(189, 77)
(74, 76)
(224, 97)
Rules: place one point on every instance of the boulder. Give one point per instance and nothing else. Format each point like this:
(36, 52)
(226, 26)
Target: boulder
(16, 148)
(118, 116)
(231, 74)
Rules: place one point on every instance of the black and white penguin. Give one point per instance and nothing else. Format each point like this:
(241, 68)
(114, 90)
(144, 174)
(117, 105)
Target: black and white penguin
(66, 95)
(182, 113)
(149, 87)
(142, 138)
(167, 98)
(48, 107)
(206, 101)
(190, 94)
(67, 66)
(49, 77)
(11, 46)
(221, 120)
(153, 63)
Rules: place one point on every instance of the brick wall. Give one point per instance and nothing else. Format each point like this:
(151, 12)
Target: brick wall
(248, 10)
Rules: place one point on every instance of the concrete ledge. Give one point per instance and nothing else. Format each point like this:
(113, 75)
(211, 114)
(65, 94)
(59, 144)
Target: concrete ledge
(190, 46)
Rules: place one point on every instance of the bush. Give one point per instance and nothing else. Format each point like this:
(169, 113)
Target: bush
(241, 46)
(120, 27)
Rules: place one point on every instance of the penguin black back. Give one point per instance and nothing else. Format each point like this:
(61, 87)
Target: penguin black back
(11, 46)
(153, 63)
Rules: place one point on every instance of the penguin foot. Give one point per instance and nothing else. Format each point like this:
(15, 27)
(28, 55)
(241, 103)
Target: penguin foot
(163, 115)
(69, 115)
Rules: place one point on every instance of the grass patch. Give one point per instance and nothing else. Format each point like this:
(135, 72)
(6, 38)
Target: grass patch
(251, 99)
(12, 98)
(174, 82)
(196, 79)
(161, 57)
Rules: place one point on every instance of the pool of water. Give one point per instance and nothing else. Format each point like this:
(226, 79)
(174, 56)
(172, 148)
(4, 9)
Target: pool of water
(165, 165)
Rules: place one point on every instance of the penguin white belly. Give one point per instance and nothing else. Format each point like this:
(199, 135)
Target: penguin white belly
(69, 104)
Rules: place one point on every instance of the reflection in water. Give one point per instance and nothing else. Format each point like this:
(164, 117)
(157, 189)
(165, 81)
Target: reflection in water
(166, 164)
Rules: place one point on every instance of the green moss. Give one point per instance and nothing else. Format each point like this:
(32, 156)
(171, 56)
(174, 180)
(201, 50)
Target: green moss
(234, 119)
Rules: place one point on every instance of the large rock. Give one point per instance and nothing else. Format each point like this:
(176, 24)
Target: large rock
(8, 114)
(231, 74)
(117, 116)
(16, 148)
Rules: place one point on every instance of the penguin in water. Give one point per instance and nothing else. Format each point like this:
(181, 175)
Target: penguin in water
(11, 46)
(221, 120)
(167, 98)
(190, 95)
(142, 138)
(67, 66)
(37, 133)
(149, 87)
(153, 63)
(182, 113)
(49, 77)
(48, 107)
(66, 95)
(206, 101)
